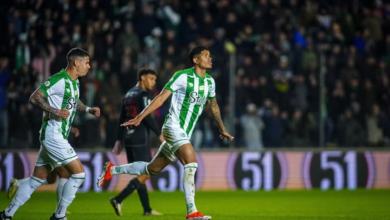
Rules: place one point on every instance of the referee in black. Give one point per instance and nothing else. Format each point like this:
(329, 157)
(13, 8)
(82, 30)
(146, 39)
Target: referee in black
(136, 140)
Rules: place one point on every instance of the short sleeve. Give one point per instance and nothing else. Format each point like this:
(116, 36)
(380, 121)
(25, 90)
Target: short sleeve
(211, 85)
(176, 82)
(52, 86)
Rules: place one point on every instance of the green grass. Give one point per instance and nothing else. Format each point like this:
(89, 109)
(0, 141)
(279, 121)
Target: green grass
(275, 205)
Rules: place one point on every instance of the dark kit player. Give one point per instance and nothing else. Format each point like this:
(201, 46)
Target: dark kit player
(136, 140)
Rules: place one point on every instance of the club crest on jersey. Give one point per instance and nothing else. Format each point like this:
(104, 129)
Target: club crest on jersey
(195, 98)
(191, 84)
(68, 90)
(47, 83)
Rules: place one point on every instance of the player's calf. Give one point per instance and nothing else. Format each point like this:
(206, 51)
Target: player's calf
(109, 169)
(69, 193)
(22, 195)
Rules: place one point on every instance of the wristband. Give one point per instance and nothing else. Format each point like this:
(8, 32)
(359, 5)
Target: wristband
(87, 109)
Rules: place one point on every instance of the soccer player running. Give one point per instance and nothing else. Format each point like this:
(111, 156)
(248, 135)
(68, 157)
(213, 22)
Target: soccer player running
(136, 140)
(191, 89)
(61, 172)
(58, 97)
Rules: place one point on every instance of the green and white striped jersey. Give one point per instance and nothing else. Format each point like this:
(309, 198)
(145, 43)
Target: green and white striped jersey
(61, 92)
(190, 93)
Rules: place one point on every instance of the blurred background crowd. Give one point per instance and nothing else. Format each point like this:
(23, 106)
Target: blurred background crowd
(298, 63)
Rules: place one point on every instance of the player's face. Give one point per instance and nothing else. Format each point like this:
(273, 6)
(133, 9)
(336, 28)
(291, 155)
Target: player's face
(83, 66)
(150, 81)
(204, 60)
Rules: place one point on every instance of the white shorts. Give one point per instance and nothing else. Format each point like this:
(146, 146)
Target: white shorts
(56, 153)
(174, 138)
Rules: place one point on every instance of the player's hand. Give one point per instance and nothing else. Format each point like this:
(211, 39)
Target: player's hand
(95, 111)
(132, 123)
(161, 138)
(63, 113)
(75, 131)
(117, 148)
(226, 135)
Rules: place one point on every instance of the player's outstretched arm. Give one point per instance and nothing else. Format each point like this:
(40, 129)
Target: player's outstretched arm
(38, 98)
(155, 104)
(217, 117)
(83, 108)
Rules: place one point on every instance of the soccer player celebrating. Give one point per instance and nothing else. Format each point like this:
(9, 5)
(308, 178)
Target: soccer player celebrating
(136, 140)
(58, 97)
(191, 89)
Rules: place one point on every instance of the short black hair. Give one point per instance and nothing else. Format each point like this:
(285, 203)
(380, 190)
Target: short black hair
(196, 51)
(76, 52)
(145, 71)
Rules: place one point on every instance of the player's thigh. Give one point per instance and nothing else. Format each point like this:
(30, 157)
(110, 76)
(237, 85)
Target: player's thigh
(174, 139)
(62, 172)
(158, 163)
(43, 165)
(52, 177)
(74, 167)
(186, 154)
(59, 152)
(42, 172)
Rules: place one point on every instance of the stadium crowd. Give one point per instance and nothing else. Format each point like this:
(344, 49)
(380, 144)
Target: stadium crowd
(281, 48)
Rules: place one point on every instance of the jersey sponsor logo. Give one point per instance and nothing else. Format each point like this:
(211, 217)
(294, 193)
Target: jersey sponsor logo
(47, 83)
(195, 98)
(71, 103)
(201, 88)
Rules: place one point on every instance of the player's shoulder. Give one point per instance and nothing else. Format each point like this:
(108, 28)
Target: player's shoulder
(54, 79)
(209, 78)
(183, 72)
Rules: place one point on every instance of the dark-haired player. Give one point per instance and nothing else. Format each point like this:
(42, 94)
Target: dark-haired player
(192, 89)
(58, 97)
(136, 140)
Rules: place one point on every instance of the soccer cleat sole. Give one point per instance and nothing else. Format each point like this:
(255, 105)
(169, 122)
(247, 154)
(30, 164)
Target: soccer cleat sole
(12, 188)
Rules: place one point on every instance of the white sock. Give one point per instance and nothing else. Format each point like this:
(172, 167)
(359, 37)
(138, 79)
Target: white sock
(189, 186)
(69, 193)
(21, 181)
(136, 168)
(23, 194)
(60, 187)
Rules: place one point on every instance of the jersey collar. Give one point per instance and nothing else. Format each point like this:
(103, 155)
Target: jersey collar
(67, 75)
(193, 71)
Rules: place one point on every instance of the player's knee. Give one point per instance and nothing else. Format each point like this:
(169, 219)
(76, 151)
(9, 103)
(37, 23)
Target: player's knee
(51, 178)
(153, 170)
(78, 178)
(63, 173)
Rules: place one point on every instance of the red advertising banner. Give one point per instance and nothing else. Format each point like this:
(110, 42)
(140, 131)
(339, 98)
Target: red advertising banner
(246, 170)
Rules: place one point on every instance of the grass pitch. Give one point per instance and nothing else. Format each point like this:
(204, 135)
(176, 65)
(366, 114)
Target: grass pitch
(276, 205)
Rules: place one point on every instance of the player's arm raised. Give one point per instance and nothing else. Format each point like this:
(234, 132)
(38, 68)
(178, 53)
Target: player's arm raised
(83, 108)
(155, 104)
(217, 118)
(38, 98)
